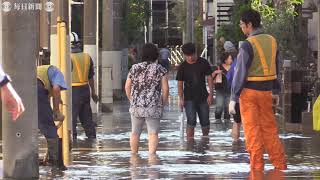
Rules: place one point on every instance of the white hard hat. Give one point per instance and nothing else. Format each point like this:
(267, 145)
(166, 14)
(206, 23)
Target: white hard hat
(74, 37)
(228, 46)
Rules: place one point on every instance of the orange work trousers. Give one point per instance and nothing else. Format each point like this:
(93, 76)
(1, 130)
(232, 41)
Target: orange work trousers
(260, 129)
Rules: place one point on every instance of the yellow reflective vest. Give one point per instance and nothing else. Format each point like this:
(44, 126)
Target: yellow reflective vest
(80, 70)
(316, 115)
(42, 75)
(263, 67)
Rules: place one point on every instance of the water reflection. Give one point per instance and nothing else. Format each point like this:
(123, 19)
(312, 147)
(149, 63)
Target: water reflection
(199, 146)
(87, 144)
(213, 157)
(152, 171)
(135, 161)
(268, 175)
(139, 168)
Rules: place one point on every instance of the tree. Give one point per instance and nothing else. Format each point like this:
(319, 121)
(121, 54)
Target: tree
(275, 16)
(270, 9)
(284, 13)
(232, 32)
(180, 13)
(134, 20)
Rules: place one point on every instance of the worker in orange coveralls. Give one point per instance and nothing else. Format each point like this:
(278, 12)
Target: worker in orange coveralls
(255, 86)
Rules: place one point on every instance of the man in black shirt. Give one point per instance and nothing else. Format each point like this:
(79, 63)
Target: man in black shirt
(192, 89)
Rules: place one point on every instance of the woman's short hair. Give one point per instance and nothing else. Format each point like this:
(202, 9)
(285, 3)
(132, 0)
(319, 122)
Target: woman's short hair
(224, 56)
(149, 53)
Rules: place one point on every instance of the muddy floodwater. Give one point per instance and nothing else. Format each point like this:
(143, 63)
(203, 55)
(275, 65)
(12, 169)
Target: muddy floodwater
(215, 157)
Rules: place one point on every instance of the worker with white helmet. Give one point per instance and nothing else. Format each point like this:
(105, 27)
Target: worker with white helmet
(82, 82)
(74, 38)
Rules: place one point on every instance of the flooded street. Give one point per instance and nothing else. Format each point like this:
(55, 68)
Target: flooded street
(215, 157)
(66, 59)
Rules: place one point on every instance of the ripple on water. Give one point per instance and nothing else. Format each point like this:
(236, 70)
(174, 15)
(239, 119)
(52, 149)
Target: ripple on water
(220, 168)
(291, 136)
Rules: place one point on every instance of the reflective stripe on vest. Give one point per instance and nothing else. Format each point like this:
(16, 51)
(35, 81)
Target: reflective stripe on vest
(80, 71)
(42, 75)
(263, 67)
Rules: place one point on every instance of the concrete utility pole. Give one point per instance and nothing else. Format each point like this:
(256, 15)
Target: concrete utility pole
(90, 39)
(205, 29)
(150, 23)
(44, 27)
(111, 54)
(190, 21)
(62, 10)
(20, 30)
(214, 43)
(318, 39)
(124, 43)
(167, 23)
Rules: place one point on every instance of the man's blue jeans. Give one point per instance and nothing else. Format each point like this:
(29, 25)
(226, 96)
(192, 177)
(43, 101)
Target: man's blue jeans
(202, 109)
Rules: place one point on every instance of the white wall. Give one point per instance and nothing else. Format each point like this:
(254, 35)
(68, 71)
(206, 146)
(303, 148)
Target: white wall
(211, 11)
